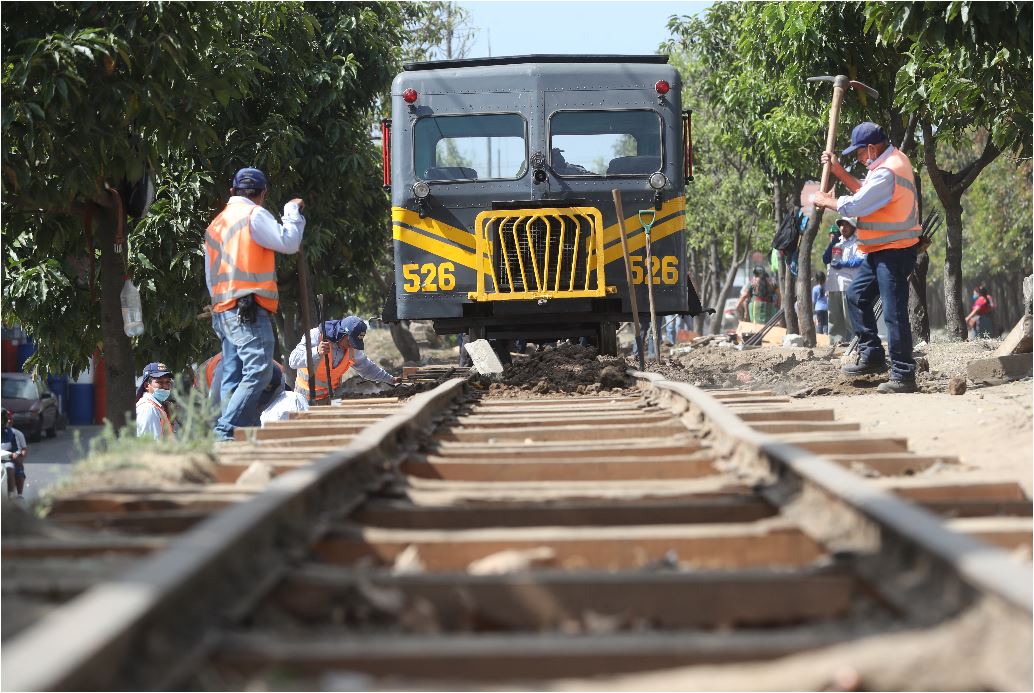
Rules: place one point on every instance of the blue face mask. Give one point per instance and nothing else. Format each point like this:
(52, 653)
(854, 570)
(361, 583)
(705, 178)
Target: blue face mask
(161, 395)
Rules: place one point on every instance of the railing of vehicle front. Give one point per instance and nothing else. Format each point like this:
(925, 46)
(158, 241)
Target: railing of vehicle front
(538, 254)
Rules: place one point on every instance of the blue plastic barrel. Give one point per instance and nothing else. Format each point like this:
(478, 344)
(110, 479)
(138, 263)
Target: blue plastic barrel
(80, 404)
(24, 352)
(58, 384)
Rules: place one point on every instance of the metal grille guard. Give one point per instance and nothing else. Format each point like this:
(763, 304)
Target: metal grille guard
(538, 254)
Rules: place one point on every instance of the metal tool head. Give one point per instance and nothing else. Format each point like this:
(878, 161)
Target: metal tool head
(844, 82)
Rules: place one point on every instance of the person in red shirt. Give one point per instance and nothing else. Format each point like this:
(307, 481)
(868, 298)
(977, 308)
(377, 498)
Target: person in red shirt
(979, 318)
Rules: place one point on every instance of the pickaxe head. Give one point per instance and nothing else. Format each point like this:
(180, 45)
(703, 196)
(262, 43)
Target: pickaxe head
(843, 82)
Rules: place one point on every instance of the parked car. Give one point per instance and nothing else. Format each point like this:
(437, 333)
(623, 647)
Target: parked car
(729, 318)
(32, 405)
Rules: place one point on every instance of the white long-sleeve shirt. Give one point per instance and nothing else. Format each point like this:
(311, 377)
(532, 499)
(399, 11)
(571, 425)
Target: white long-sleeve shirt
(283, 238)
(360, 362)
(148, 420)
(875, 193)
(839, 278)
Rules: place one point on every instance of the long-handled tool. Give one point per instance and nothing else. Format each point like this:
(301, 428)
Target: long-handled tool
(647, 217)
(841, 83)
(303, 297)
(323, 338)
(628, 278)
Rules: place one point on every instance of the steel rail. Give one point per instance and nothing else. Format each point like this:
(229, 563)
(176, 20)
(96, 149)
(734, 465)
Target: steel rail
(134, 630)
(863, 519)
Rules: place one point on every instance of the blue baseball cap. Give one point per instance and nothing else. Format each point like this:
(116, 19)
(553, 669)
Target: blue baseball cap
(864, 134)
(355, 328)
(250, 179)
(151, 370)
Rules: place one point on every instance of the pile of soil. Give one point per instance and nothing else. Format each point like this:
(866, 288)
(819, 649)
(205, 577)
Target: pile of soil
(804, 372)
(567, 368)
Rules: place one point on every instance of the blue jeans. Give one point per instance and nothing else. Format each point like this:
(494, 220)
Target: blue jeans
(884, 274)
(247, 368)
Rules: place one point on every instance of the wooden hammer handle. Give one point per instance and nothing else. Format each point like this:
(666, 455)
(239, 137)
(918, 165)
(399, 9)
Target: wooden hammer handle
(831, 133)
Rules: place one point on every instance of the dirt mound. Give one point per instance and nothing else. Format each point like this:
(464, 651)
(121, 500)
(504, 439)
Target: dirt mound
(567, 368)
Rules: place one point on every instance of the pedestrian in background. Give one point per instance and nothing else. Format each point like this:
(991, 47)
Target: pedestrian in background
(979, 318)
(760, 297)
(14, 445)
(843, 258)
(818, 299)
(152, 402)
(240, 270)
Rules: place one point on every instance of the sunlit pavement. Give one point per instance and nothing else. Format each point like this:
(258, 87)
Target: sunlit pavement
(52, 458)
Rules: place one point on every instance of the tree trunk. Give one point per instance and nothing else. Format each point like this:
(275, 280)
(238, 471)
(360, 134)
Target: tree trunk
(918, 314)
(806, 326)
(119, 367)
(730, 277)
(954, 313)
(404, 342)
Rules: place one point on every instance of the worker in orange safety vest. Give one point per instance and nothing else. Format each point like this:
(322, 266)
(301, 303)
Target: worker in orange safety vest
(888, 232)
(343, 341)
(240, 270)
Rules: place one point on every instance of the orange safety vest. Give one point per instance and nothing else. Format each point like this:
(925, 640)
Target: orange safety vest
(237, 265)
(206, 373)
(166, 423)
(323, 388)
(895, 225)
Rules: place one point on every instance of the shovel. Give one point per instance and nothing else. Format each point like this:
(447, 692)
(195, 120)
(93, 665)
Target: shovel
(647, 217)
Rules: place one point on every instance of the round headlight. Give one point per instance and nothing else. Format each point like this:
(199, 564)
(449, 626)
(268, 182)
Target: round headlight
(658, 181)
(421, 189)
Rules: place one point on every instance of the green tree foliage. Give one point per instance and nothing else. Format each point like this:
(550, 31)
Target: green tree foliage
(935, 65)
(96, 93)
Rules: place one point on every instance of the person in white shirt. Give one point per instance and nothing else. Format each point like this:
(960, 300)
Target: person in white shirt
(14, 461)
(844, 258)
(344, 343)
(152, 414)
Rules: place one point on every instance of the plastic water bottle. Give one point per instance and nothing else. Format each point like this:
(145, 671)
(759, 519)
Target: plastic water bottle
(132, 311)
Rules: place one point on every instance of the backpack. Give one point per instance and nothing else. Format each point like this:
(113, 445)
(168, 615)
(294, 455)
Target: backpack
(788, 235)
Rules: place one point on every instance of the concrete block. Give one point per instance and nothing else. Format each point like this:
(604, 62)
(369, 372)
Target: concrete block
(485, 360)
(793, 340)
(1000, 368)
(1019, 340)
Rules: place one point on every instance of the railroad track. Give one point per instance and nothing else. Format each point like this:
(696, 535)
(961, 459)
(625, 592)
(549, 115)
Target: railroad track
(459, 540)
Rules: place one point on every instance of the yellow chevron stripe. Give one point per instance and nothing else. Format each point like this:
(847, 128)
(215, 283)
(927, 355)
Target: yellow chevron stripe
(434, 226)
(434, 246)
(632, 224)
(657, 233)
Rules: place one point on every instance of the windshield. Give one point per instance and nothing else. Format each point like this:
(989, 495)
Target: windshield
(16, 388)
(605, 143)
(470, 147)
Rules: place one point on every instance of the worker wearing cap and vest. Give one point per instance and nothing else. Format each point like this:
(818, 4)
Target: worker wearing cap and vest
(888, 231)
(240, 270)
(344, 342)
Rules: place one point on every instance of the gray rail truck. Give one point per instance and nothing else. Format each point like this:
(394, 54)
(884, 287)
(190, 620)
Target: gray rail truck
(501, 172)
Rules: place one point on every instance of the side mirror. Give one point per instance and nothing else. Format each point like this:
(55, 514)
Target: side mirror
(46, 395)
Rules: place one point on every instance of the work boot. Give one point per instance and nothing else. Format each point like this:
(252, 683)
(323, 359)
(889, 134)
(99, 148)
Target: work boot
(862, 368)
(897, 387)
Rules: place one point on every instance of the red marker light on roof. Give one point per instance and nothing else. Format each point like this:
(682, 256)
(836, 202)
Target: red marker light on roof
(409, 95)
(662, 87)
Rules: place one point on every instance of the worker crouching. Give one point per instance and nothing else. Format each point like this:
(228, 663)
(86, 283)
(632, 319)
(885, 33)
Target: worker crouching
(342, 340)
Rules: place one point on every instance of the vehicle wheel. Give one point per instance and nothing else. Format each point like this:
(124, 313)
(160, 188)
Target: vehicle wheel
(36, 434)
(52, 431)
(607, 339)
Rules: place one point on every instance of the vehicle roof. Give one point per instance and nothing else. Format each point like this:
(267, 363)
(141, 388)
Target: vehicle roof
(18, 376)
(544, 58)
